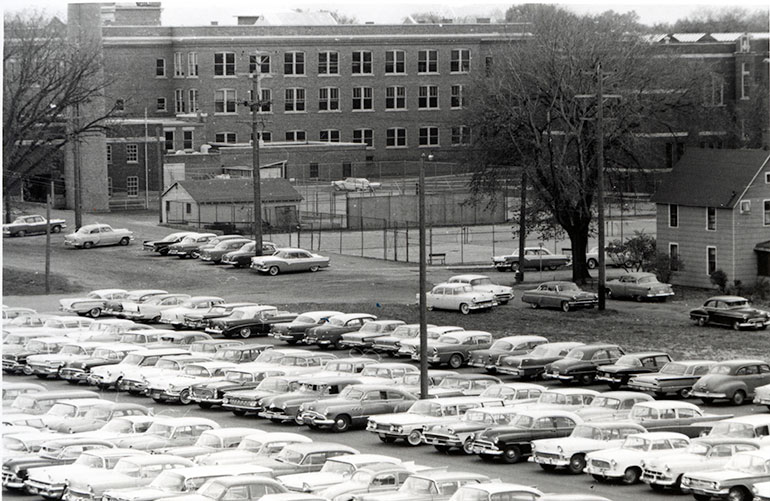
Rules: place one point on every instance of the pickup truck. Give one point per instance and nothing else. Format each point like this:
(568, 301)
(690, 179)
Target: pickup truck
(28, 225)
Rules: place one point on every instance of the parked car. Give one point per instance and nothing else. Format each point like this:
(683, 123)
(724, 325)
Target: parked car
(334, 471)
(730, 311)
(303, 457)
(329, 334)
(212, 441)
(115, 307)
(431, 485)
(674, 377)
(289, 260)
(94, 417)
(93, 304)
(161, 246)
(31, 224)
(459, 297)
(107, 376)
(92, 235)
(570, 452)
(182, 339)
(346, 366)
(378, 477)
(150, 310)
(294, 331)
(734, 481)
(242, 256)
(210, 347)
(51, 325)
(390, 343)
(354, 184)
(200, 319)
(242, 487)
(629, 365)
(8, 313)
(612, 405)
(15, 360)
(258, 444)
(638, 286)
(459, 433)
(196, 304)
(582, 363)
(624, 463)
(167, 432)
(47, 365)
(564, 295)
(538, 258)
(505, 346)
(176, 386)
(209, 393)
(285, 407)
(75, 372)
(123, 426)
(673, 415)
(40, 402)
(365, 336)
(190, 245)
(469, 385)
(610, 259)
(750, 426)
(240, 353)
(762, 395)
(214, 254)
(411, 382)
(454, 349)
(491, 491)
(515, 393)
(733, 380)
(249, 321)
(532, 365)
(11, 390)
(483, 283)
(135, 379)
(408, 341)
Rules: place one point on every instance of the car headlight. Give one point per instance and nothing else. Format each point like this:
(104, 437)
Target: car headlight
(398, 429)
(685, 480)
(613, 463)
(284, 406)
(666, 468)
(559, 448)
(642, 463)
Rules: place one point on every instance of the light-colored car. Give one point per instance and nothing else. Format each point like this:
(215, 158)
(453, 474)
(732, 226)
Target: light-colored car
(176, 387)
(454, 349)
(106, 330)
(625, 462)
(734, 481)
(483, 283)
(566, 296)
(493, 491)
(8, 313)
(502, 347)
(93, 235)
(732, 380)
(638, 286)
(674, 377)
(762, 395)
(355, 184)
(40, 402)
(368, 333)
(168, 432)
(458, 434)
(96, 416)
(378, 477)
(407, 341)
(123, 426)
(49, 364)
(612, 405)
(469, 385)
(431, 485)
(136, 379)
(750, 426)
(257, 444)
(115, 307)
(241, 487)
(214, 254)
(458, 297)
(336, 470)
(618, 260)
(303, 457)
(106, 376)
(93, 303)
(289, 260)
(52, 325)
(28, 225)
(538, 258)
(212, 441)
(15, 356)
(78, 371)
(196, 304)
(152, 309)
(674, 415)
(190, 245)
(14, 389)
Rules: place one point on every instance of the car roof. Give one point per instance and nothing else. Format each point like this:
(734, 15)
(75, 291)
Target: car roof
(496, 487)
(522, 337)
(538, 413)
(366, 458)
(572, 391)
(389, 365)
(157, 459)
(694, 362)
(21, 386)
(187, 421)
(214, 364)
(221, 470)
(763, 452)
(727, 298)
(474, 377)
(294, 249)
(62, 394)
(349, 316)
(448, 475)
(624, 394)
(82, 401)
(162, 352)
(667, 404)
(245, 479)
(378, 387)
(725, 440)
(741, 361)
(659, 435)
(314, 379)
(248, 347)
(558, 282)
(521, 386)
(613, 424)
(305, 447)
(641, 354)
(116, 451)
(497, 410)
(752, 419)
(467, 276)
(597, 346)
(464, 334)
(446, 401)
(233, 431)
(638, 274)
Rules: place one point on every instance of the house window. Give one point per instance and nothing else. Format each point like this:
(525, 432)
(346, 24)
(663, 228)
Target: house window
(330, 136)
(767, 177)
(294, 63)
(132, 186)
(363, 136)
(294, 100)
(132, 153)
(428, 97)
(160, 67)
(188, 208)
(192, 95)
(458, 97)
(328, 99)
(192, 64)
(461, 61)
(673, 216)
(394, 62)
(395, 98)
(488, 65)
(178, 68)
(461, 135)
(266, 136)
(347, 169)
(224, 64)
(168, 140)
(296, 135)
(187, 139)
(745, 81)
(224, 101)
(109, 153)
(313, 170)
(120, 104)
(264, 64)
(328, 63)
(362, 98)
(225, 137)
(362, 62)
(395, 138)
(428, 136)
(766, 212)
(427, 61)
(711, 260)
(716, 91)
(745, 207)
(266, 103)
(711, 218)
(178, 101)
(673, 254)
(109, 187)
(160, 105)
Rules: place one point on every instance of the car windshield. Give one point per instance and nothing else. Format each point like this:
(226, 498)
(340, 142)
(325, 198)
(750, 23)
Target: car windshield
(117, 426)
(673, 368)
(448, 340)
(35, 346)
(454, 382)
(736, 430)
(371, 327)
(648, 280)
(167, 364)
(336, 321)
(568, 287)
(417, 485)
(629, 361)
(748, 463)
(550, 397)
(13, 444)
(14, 340)
(269, 357)
(98, 413)
(24, 402)
(426, 408)
(89, 461)
(699, 449)
(189, 239)
(196, 371)
(132, 338)
(587, 431)
(605, 403)
(351, 393)
(523, 421)
(405, 332)
(639, 412)
(739, 303)
(502, 345)
(168, 480)
(411, 379)
(576, 355)
(274, 384)
(160, 429)
(238, 377)
(107, 354)
(304, 319)
(127, 468)
(238, 314)
(481, 281)
(289, 456)
(72, 349)
(362, 477)
(637, 443)
(212, 489)
(209, 440)
(132, 360)
(62, 410)
(476, 416)
(334, 466)
(249, 444)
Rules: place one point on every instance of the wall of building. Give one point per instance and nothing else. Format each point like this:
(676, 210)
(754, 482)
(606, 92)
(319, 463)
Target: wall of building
(751, 228)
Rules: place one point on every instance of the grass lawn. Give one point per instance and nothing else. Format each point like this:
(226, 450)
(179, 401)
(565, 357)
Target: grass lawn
(17, 282)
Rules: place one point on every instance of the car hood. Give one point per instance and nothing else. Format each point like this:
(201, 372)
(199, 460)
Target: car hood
(141, 441)
(140, 493)
(290, 399)
(63, 358)
(720, 475)
(164, 381)
(404, 418)
(57, 474)
(347, 486)
(316, 480)
(64, 425)
(330, 402)
(570, 444)
(229, 457)
(685, 461)
(189, 451)
(615, 368)
(601, 414)
(106, 479)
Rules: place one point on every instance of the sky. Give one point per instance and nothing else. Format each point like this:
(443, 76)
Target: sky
(202, 12)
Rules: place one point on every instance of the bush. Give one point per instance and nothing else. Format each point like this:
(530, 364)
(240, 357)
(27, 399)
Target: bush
(662, 265)
(719, 278)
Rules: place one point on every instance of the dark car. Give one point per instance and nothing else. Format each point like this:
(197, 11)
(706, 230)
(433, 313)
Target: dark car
(730, 311)
(733, 380)
(627, 366)
(214, 254)
(285, 407)
(240, 354)
(250, 400)
(509, 345)
(190, 245)
(161, 246)
(201, 319)
(294, 331)
(532, 365)
(211, 393)
(581, 364)
(75, 372)
(564, 295)
(329, 334)
(242, 257)
(251, 321)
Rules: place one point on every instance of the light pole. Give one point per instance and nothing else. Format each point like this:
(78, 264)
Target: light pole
(255, 105)
(423, 270)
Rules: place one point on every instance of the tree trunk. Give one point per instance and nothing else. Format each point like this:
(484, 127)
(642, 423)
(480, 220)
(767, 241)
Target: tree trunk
(579, 241)
(7, 205)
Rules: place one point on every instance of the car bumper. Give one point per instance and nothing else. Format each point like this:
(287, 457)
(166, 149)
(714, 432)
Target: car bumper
(657, 478)
(550, 459)
(12, 366)
(707, 394)
(762, 400)
(132, 386)
(610, 379)
(161, 394)
(602, 472)
(275, 415)
(44, 490)
(70, 495)
(242, 405)
(69, 374)
(486, 448)
(387, 430)
(560, 377)
(43, 370)
(441, 440)
(288, 336)
(260, 267)
(315, 419)
(70, 243)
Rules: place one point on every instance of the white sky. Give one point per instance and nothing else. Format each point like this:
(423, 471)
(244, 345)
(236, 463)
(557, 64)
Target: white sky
(202, 12)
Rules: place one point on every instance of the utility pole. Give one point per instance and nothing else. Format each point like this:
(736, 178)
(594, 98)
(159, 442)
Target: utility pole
(522, 224)
(146, 165)
(161, 147)
(600, 182)
(255, 104)
(76, 169)
(48, 202)
(423, 273)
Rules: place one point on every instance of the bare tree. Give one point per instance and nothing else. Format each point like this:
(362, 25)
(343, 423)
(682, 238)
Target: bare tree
(724, 20)
(342, 18)
(535, 109)
(46, 79)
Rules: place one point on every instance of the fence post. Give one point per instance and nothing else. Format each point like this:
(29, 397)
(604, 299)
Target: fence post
(385, 241)
(493, 239)
(361, 216)
(395, 241)
(407, 241)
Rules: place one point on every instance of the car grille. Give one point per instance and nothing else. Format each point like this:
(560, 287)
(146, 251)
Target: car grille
(9, 357)
(382, 427)
(485, 444)
(311, 338)
(71, 372)
(600, 464)
(241, 402)
(78, 496)
(701, 484)
(9, 476)
(548, 455)
(654, 475)
(202, 392)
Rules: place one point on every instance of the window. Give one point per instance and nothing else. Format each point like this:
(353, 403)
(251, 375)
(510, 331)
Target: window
(363, 136)
(458, 97)
(224, 64)
(192, 64)
(394, 62)
(461, 61)
(160, 104)
(224, 101)
(160, 67)
(178, 68)
(362, 98)
(428, 97)
(110, 190)
(330, 136)
(395, 98)
(109, 153)
(188, 208)
(294, 100)
(716, 91)
(673, 254)
(264, 63)
(266, 136)
(295, 135)
(362, 62)
(745, 82)
(328, 99)
(266, 102)
(745, 207)
(711, 218)
(187, 139)
(461, 135)
(347, 169)
(132, 186)
(328, 63)
(294, 63)
(313, 170)
(766, 212)
(193, 100)
(711, 260)
(767, 177)
(225, 137)
(427, 61)
(120, 104)
(168, 140)
(673, 216)
(488, 65)
(395, 138)
(132, 153)
(178, 101)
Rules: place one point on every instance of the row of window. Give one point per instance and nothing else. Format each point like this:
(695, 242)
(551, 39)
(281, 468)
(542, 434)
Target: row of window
(395, 137)
(132, 186)
(711, 212)
(328, 64)
(711, 258)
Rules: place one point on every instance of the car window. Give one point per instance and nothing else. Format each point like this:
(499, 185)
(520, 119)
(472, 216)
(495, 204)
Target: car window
(667, 413)
(686, 413)
(764, 368)
(628, 403)
(600, 355)
(761, 431)
(394, 395)
(314, 458)
(744, 448)
(446, 488)
(544, 423)
(678, 443)
(563, 422)
(236, 492)
(700, 370)
(373, 395)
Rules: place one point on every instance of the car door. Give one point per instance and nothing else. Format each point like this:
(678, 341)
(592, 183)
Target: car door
(303, 261)
(764, 375)
(715, 310)
(539, 295)
(750, 375)
(374, 402)
(36, 224)
(107, 236)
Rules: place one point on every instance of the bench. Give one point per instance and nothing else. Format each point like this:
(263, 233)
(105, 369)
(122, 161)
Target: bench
(437, 258)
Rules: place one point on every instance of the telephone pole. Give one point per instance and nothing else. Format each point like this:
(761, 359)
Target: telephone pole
(255, 104)
(600, 182)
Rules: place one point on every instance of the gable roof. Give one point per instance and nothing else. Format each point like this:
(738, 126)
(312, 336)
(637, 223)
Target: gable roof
(238, 190)
(710, 178)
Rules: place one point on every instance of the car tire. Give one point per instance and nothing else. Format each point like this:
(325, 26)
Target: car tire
(553, 268)
(631, 475)
(608, 293)
(273, 271)
(465, 309)
(236, 265)
(239, 412)
(88, 245)
(56, 229)
(195, 254)
(548, 467)
(94, 312)
(163, 252)
(429, 308)
(534, 306)
(565, 307)
(739, 494)
(386, 439)
(511, 454)
(737, 325)
(21, 233)
(701, 321)
(576, 464)
(124, 241)
(586, 379)
(414, 438)
(614, 386)
(184, 397)
(455, 361)
(244, 332)
(514, 267)
(341, 423)
(592, 264)
(738, 398)
(314, 268)
(468, 446)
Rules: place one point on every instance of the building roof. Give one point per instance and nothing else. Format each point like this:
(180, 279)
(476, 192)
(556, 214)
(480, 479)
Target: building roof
(239, 190)
(714, 178)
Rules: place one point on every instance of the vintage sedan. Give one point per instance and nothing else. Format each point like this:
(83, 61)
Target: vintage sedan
(150, 310)
(582, 363)
(176, 387)
(329, 334)
(200, 319)
(285, 407)
(51, 325)
(258, 444)
(135, 379)
(303, 457)
(734, 481)
(570, 452)
(502, 347)
(483, 283)
(411, 382)
(459, 433)
(210, 347)
(47, 365)
(334, 471)
(538, 258)
(40, 402)
(638, 286)
(289, 260)
(115, 307)
(239, 487)
(167, 432)
(751, 426)
(564, 295)
(454, 349)
(629, 365)
(211, 441)
(294, 331)
(92, 235)
(13, 390)
(378, 477)
(242, 257)
(209, 393)
(196, 304)
(469, 385)
(512, 442)
(93, 303)
(181, 339)
(94, 418)
(610, 259)
(75, 372)
(612, 405)
(215, 254)
(354, 184)
(762, 395)
(673, 415)
(365, 336)
(29, 225)
(354, 406)
(241, 353)
(733, 380)
(625, 463)
(15, 356)
(532, 365)
(107, 376)
(161, 246)
(249, 321)
(703, 454)
(495, 490)
(730, 311)
(241, 402)
(406, 346)
(190, 245)
(458, 297)
(431, 485)
(390, 344)
(674, 377)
